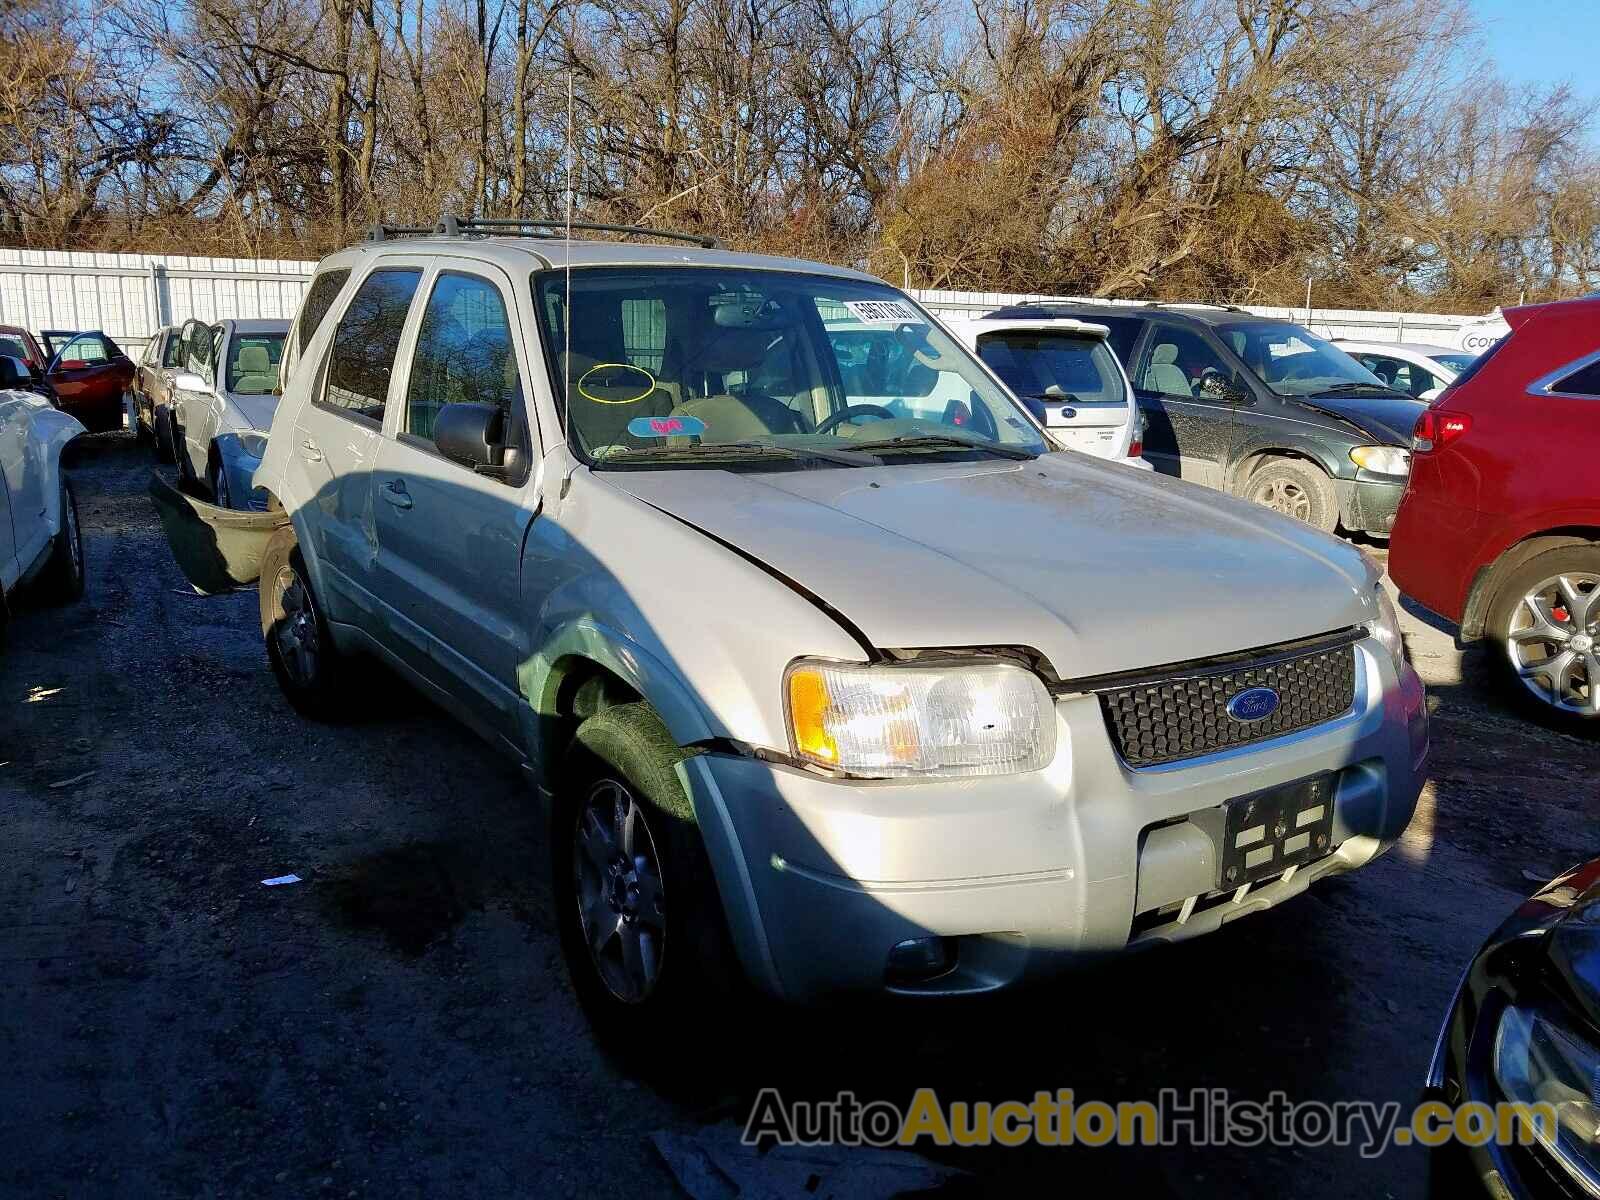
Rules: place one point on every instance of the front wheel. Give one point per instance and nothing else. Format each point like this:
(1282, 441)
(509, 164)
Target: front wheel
(63, 576)
(641, 922)
(1546, 622)
(1296, 489)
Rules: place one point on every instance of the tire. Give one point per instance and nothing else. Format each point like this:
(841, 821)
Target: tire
(163, 436)
(61, 581)
(1295, 488)
(217, 481)
(179, 452)
(655, 893)
(1565, 585)
(142, 433)
(308, 667)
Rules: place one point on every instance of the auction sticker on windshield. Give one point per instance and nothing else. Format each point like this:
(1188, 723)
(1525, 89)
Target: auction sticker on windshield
(883, 312)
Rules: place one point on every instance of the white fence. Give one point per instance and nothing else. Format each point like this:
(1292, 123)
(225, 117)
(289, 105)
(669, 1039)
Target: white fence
(130, 296)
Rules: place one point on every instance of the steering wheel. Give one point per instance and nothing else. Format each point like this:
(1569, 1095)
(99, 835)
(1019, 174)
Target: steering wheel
(851, 411)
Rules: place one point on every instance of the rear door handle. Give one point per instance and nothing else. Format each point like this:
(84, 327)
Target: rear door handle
(395, 493)
(310, 451)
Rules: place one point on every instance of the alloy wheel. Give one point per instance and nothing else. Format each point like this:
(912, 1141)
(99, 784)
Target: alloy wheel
(1554, 642)
(1285, 496)
(617, 875)
(295, 633)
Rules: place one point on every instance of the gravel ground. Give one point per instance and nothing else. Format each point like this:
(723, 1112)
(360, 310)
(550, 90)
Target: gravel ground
(400, 1023)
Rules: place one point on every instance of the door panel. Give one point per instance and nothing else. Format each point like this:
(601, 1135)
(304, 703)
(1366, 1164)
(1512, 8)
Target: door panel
(450, 539)
(336, 436)
(10, 568)
(1189, 434)
(23, 469)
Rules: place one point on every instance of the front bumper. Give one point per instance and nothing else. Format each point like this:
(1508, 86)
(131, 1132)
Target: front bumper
(1030, 874)
(1368, 503)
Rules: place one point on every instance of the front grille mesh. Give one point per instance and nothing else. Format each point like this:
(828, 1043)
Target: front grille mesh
(1181, 712)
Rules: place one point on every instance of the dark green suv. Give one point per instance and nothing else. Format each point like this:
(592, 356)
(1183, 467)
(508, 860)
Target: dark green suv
(1260, 408)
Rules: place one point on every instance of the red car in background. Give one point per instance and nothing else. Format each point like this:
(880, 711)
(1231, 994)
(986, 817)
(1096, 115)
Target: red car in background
(1499, 527)
(88, 374)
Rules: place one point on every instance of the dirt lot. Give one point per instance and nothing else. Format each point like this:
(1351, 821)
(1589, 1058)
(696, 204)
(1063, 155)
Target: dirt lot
(400, 1023)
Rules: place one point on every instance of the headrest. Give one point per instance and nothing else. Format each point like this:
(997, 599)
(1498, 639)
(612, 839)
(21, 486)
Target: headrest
(1165, 354)
(254, 360)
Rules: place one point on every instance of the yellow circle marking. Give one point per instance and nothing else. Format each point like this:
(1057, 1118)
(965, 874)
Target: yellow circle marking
(649, 387)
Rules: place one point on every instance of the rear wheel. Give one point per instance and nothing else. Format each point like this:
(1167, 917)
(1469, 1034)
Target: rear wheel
(62, 579)
(1296, 489)
(642, 924)
(308, 667)
(1546, 622)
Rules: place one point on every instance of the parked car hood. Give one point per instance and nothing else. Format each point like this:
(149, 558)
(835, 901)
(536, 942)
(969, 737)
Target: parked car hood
(1388, 419)
(1097, 567)
(252, 412)
(1574, 946)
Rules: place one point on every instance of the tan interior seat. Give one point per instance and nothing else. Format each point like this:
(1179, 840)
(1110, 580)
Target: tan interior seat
(1163, 374)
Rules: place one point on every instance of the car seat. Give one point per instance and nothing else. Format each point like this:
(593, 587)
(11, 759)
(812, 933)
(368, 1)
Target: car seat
(253, 373)
(1163, 374)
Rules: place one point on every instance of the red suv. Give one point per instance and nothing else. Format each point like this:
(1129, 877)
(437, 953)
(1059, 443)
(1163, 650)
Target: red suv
(1499, 527)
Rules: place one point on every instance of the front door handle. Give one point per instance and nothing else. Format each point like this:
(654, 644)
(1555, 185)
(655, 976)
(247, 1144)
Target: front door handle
(310, 451)
(395, 493)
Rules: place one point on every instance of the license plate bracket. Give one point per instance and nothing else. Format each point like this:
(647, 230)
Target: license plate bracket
(1267, 832)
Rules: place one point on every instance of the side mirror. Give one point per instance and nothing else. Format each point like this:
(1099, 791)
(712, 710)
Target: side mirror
(471, 434)
(14, 373)
(188, 381)
(1215, 386)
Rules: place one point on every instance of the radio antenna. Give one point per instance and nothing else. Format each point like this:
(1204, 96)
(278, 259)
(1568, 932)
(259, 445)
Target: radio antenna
(566, 322)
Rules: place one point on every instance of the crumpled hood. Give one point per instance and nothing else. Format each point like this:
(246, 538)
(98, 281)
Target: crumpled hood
(1098, 567)
(251, 412)
(1574, 947)
(1389, 419)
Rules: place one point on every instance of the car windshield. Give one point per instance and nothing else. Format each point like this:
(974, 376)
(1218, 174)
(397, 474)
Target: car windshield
(1041, 364)
(1454, 362)
(253, 363)
(1293, 361)
(671, 367)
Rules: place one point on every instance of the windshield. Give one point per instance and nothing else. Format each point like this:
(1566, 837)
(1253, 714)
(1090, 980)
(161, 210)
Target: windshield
(1040, 364)
(1293, 361)
(253, 363)
(672, 365)
(1454, 362)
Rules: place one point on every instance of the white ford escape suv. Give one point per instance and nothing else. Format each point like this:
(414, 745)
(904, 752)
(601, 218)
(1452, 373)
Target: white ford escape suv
(860, 693)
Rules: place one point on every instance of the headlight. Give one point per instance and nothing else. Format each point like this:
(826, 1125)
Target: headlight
(1387, 627)
(1382, 460)
(1537, 1061)
(253, 444)
(963, 720)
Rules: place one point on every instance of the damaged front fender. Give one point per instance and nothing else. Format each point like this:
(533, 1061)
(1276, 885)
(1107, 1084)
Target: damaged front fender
(218, 549)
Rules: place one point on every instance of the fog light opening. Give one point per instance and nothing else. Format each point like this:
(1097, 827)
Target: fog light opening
(918, 960)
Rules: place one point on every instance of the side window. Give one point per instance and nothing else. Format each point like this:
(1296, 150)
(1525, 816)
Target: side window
(1585, 381)
(1176, 360)
(365, 343)
(1124, 333)
(319, 298)
(87, 348)
(464, 354)
(172, 350)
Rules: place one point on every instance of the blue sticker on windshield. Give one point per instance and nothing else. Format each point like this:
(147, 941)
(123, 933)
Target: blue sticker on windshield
(654, 427)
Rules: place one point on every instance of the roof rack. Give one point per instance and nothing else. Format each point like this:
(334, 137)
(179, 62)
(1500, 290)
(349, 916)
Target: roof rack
(386, 233)
(449, 226)
(1195, 304)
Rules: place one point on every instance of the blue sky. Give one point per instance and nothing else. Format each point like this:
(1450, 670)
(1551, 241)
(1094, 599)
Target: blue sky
(1534, 41)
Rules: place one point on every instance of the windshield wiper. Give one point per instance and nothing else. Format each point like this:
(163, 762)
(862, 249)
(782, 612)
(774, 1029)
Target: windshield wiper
(740, 450)
(1341, 389)
(942, 441)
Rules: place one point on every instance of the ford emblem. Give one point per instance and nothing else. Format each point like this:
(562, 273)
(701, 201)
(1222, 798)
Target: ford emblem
(1253, 704)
